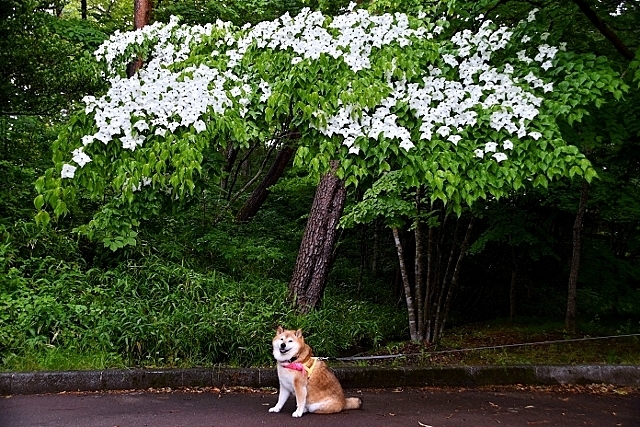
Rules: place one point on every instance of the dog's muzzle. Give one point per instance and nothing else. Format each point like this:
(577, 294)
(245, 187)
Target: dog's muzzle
(283, 348)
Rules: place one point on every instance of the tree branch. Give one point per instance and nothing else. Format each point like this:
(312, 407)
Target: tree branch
(604, 29)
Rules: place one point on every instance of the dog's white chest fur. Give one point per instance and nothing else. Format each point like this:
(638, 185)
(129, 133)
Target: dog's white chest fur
(286, 377)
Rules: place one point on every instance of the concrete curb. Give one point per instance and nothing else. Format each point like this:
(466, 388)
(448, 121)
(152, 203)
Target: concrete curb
(350, 377)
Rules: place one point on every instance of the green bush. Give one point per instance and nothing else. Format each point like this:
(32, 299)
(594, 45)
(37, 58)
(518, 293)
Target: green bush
(154, 313)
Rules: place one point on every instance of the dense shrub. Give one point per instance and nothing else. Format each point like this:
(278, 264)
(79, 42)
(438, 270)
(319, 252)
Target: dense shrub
(155, 313)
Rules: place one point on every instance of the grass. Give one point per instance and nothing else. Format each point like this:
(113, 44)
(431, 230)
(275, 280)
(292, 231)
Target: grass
(57, 359)
(624, 350)
(159, 315)
(617, 351)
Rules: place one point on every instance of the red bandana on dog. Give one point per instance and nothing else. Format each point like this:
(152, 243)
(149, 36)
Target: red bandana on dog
(297, 366)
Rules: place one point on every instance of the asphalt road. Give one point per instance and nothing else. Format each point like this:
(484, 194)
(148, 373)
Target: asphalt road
(411, 407)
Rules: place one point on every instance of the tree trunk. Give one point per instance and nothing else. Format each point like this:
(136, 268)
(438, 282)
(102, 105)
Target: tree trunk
(230, 154)
(453, 286)
(418, 266)
(260, 194)
(426, 312)
(83, 9)
(512, 287)
(364, 253)
(141, 17)
(316, 250)
(570, 319)
(141, 13)
(443, 284)
(376, 247)
(411, 309)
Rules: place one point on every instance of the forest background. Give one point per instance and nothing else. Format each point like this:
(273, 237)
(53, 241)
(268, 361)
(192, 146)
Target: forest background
(200, 282)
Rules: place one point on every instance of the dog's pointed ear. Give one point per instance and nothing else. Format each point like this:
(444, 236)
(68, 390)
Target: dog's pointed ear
(279, 330)
(299, 333)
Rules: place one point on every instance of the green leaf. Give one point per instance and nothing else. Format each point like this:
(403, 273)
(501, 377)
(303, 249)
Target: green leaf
(574, 170)
(541, 180)
(42, 218)
(590, 174)
(39, 201)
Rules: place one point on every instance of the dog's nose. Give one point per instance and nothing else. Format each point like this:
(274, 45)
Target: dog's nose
(283, 345)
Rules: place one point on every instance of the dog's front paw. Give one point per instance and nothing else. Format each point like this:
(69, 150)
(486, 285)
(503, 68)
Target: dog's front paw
(274, 409)
(297, 414)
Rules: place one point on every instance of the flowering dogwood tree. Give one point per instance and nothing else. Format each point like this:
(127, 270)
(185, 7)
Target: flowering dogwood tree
(466, 115)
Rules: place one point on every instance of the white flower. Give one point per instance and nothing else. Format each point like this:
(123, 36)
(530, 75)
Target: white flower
(296, 60)
(479, 152)
(102, 136)
(454, 139)
(450, 60)
(266, 91)
(522, 131)
(522, 56)
(407, 144)
(546, 65)
(535, 135)
(532, 15)
(544, 36)
(68, 171)
(141, 125)
(525, 38)
(507, 144)
(499, 157)
(199, 126)
(87, 139)
(443, 131)
(490, 147)
(80, 157)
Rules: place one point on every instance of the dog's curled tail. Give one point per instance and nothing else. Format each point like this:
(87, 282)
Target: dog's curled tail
(353, 403)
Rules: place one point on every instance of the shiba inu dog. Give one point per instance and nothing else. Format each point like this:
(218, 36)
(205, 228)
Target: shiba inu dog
(314, 385)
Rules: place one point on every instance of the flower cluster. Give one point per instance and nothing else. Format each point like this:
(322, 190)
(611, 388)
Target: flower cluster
(448, 99)
(351, 36)
(381, 122)
(448, 107)
(158, 100)
(172, 43)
